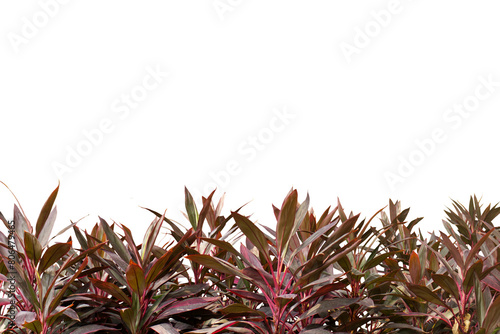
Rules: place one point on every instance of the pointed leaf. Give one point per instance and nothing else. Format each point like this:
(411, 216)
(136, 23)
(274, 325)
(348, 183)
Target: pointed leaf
(135, 278)
(165, 263)
(60, 294)
(45, 212)
(237, 308)
(315, 236)
(473, 272)
(216, 264)
(111, 289)
(33, 247)
(454, 251)
(475, 250)
(252, 232)
(44, 236)
(207, 206)
(415, 267)
(23, 317)
(117, 244)
(286, 221)
(448, 285)
(129, 317)
(164, 329)
(150, 237)
(53, 254)
(191, 209)
(426, 294)
(492, 318)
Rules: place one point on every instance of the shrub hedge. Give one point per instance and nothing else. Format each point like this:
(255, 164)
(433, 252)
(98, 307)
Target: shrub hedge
(311, 274)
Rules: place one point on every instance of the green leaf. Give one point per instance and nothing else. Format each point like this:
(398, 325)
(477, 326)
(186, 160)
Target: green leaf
(53, 254)
(241, 309)
(216, 264)
(252, 232)
(58, 312)
(129, 317)
(191, 209)
(207, 205)
(116, 242)
(377, 260)
(222, 245)
(473, 272)
(426, 294)
(164, 264)
(286, 221)
(111, 289)
(135, 278)
(35, 326)
(299, 218)
(44, 214)
(448, 285)
(340, 234)
(480, 300)
(448, 267)
(150, 238)
(33, 247)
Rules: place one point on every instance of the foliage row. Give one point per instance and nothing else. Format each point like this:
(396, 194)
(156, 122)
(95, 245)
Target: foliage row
(312, 274)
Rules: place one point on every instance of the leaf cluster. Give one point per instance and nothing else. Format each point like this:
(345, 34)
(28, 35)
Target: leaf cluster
(311, 274)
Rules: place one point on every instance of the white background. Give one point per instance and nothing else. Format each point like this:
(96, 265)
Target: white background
(232, 65)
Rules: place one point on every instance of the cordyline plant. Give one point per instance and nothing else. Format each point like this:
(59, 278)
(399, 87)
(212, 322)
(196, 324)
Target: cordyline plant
(332, 273)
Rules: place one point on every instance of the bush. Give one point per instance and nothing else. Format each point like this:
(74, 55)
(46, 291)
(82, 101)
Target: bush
(334, 273)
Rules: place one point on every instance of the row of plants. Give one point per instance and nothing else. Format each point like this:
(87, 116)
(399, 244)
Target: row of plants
(311, 274)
